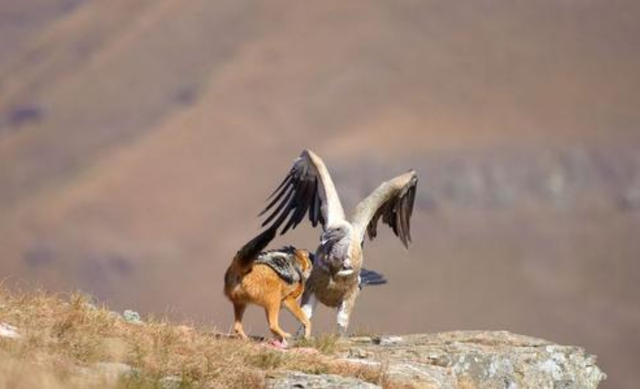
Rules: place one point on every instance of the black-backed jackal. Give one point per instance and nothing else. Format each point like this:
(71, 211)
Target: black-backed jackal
(268, 279)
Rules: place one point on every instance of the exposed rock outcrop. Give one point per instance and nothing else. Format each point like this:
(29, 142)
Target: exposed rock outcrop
(460, 360)
(478, 360)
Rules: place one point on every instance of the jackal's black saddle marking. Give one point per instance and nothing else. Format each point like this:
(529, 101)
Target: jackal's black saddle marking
(283, 261)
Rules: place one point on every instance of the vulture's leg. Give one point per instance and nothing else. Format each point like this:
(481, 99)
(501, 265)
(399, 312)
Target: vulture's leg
(344, 313)
(292, 305)
(308, 304)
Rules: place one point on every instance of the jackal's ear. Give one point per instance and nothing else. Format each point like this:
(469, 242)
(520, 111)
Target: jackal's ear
(306, 260)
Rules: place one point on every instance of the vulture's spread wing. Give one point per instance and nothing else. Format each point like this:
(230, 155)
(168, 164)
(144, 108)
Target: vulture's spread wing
(393, 202)
(307, 189)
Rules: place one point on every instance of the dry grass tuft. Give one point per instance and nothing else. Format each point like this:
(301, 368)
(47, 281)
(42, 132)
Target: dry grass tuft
(376, 374)
(326, 343)
(64, 337)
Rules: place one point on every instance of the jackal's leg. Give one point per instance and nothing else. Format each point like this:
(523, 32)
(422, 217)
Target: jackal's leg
(273, 310)
(238, 310)
(292, 305)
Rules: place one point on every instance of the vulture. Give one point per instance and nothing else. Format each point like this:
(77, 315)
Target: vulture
(308, 191)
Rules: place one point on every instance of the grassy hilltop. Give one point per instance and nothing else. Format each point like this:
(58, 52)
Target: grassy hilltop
(68, 342)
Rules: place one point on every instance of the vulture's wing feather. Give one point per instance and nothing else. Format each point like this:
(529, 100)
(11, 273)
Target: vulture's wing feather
(393, 202)
(307, 189)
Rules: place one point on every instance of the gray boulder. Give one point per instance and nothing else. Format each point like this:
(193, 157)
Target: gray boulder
(478, 359)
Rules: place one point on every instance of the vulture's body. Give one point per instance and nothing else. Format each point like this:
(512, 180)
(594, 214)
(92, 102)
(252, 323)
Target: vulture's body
(337, 274)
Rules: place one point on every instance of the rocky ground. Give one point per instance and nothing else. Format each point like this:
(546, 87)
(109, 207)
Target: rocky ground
(480, 359)
(52, 343)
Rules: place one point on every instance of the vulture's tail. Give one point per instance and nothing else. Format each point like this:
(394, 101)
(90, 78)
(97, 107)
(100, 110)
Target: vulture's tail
(370, 277)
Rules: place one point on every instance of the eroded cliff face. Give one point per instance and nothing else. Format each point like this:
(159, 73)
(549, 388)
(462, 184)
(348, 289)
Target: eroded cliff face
(464, 359)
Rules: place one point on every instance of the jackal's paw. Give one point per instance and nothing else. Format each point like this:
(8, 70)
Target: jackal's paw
(241, 335)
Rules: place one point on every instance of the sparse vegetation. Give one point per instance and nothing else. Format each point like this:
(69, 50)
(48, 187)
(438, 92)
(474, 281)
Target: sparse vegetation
(64, 339)
(325, 343)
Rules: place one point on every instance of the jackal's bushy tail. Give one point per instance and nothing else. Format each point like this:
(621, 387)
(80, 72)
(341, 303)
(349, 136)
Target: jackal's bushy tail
(248, 253)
